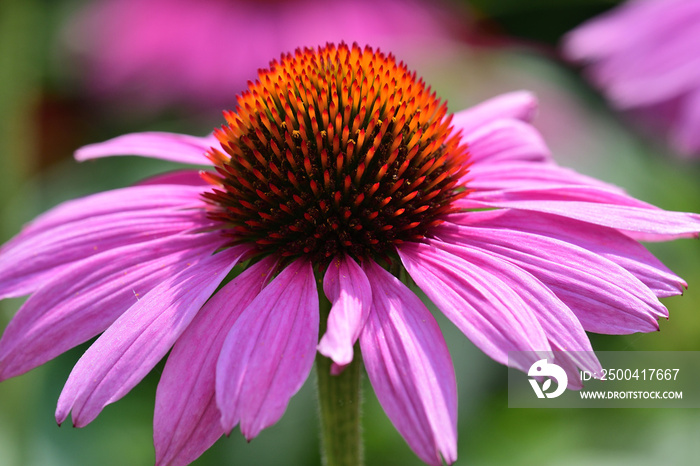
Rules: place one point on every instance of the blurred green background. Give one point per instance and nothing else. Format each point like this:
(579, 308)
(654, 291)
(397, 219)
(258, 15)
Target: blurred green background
(45, 114)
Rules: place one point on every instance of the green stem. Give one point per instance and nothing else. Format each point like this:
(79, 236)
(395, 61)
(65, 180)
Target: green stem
(339, 398)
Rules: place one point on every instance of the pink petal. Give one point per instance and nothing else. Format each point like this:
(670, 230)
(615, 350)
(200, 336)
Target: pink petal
(503, 141)
(619, 28)
(269, 352)
(605, 297)
(521, 105)
(29, 262)
(131, 199)
(606, 242)
(186, 421)
(601, 194)
(563, 330)
(347, 287)
(87, 297)
(685, 135)
(167, 146)
(410, 369)
(668, 67)
(180, 177)
(670, 70)
(130, 347)
(489, 312)
(54, 239)
(528, 176)
(643, 54)
(595, 205)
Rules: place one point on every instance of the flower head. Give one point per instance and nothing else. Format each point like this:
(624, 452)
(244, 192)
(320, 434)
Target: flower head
(336, 161)
(336, 151)
(643, 55)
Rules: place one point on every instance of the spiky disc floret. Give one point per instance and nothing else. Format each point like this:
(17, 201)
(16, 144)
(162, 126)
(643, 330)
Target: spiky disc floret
(336, 149)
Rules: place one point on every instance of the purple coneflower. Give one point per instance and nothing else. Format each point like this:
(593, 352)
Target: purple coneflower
(338, 163)
(644, 55)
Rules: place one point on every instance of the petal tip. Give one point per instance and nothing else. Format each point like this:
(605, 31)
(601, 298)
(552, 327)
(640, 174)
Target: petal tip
(337, 369)
(338, 354)
(525, 102)
(61, 417)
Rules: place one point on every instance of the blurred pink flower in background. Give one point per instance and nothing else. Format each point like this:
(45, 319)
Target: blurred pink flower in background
(151, 54)
(645, 56)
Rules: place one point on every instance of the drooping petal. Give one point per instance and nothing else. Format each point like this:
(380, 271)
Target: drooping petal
(605, 297)
(167, 146)
(131, 199)
(520, 105)
(563, 330)
(490, 313)
(76, 230)
(86, 297)
(269, 352)
(594, 205)
(410, 368)
(130, 347)
(603, 241)
(346, 286)
(187, 420)
(29, 263)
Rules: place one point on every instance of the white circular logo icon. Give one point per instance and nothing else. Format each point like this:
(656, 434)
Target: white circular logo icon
(542, 368)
